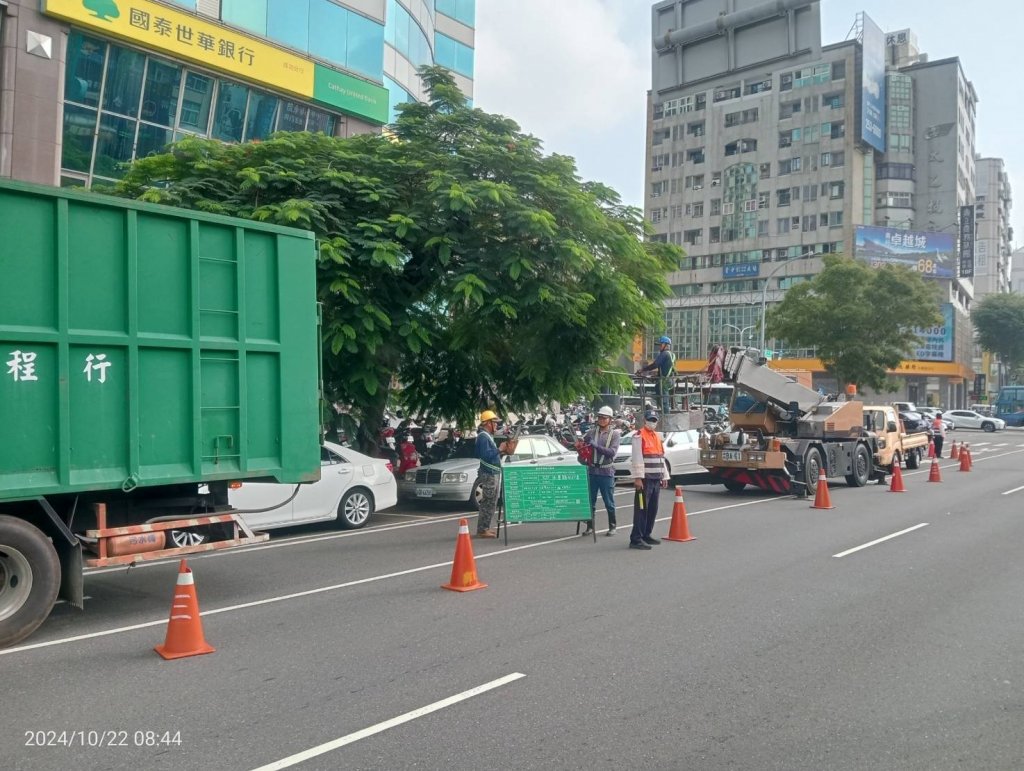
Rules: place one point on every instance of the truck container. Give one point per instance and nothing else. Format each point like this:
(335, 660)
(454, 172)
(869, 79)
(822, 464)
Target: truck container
(146, 351)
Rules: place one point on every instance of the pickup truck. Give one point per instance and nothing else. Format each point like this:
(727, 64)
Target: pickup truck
(894, 443)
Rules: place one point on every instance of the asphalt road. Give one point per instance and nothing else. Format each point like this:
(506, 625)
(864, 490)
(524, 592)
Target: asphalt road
(754, 647)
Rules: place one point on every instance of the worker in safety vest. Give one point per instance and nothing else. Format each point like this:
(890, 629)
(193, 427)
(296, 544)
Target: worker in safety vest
(938, 433)
(649, 476)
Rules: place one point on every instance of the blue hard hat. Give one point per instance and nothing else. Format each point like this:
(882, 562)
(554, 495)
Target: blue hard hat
(650, 415)
(664, 340)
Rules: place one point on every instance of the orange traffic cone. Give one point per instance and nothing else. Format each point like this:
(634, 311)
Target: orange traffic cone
(965, 458)
(954, 454)
(931, 447)
(896, 485)
(464, 578)
(185, 627)
(970, 459)
(679, 530)
(934, 475)
(822, 500)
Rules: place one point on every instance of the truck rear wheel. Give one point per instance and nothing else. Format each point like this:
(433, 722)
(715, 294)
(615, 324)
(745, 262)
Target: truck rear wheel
(29, 579)
(913, 459)
(861, 467)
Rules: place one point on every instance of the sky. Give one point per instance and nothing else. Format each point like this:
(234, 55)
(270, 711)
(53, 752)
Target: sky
(575, 74)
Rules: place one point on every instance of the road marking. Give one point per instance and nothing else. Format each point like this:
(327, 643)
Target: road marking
(322, 749)
(345, 585)
(1002, 444)
(880, 540)
(1014, 490)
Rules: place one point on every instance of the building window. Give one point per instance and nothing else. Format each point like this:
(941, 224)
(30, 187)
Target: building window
(715, 234)
(836, 190)
(716, 206)
(728, 208)
(838, 70)
(696, 155)
(764, 200)
(693, 237)
(695, 129)
(783, 197)
(762, 227)
(765, 171)
(833, 101)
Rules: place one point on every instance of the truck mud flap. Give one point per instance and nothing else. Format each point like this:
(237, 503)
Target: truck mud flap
(772, 482)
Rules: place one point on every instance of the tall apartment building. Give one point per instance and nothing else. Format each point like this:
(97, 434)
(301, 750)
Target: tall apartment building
(86, 85)
(767, 149)
(993, 240)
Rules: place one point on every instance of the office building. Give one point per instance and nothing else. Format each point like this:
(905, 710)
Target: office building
(87, 85)
(767, 149)
(993, 240)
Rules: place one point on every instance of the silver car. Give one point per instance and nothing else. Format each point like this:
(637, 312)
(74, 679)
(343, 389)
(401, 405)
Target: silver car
(681, 453)
(455, 479)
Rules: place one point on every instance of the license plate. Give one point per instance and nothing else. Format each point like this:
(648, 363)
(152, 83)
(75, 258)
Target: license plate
(732, 455)
(424, 492)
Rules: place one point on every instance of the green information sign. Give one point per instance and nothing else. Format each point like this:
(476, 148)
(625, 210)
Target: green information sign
(546, 493)
(352, 95)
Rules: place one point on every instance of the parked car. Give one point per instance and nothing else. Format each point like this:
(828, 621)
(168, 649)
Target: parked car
(681, 453)
(352, 487)
(455, 479)
(972, 419)
(914, 422)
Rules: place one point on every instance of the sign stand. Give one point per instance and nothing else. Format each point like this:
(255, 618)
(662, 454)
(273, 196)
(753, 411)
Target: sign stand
(544, 494)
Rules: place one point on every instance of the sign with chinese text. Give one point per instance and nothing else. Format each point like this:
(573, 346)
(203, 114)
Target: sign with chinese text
(741, 270)
(931, 254)
(546, 493)
(190, 37)
(936, 343)
(966, 241)
(872, 96)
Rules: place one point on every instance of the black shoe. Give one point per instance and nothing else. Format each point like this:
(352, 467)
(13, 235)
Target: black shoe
(651, 541)
(640, 545)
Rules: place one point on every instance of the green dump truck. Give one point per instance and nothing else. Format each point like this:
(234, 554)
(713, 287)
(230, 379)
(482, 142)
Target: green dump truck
(149, 357)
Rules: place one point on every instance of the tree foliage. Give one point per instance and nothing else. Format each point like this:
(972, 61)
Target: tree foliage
(859, 318)
(999, 324)
(455, 257)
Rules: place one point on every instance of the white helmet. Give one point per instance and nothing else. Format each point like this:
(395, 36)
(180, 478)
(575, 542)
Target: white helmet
(606, 411)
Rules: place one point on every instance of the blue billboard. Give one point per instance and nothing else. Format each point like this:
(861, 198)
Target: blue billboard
(741, 270)
(872, 89)
(936, 342)
(931, 254)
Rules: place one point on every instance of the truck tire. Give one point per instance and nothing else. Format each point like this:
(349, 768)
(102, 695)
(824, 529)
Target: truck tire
(812, 467)
(914, 459)
(733, 486)
(29, 579)
(861, 467)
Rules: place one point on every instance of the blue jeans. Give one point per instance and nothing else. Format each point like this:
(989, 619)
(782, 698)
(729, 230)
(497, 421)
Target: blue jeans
(606, 486)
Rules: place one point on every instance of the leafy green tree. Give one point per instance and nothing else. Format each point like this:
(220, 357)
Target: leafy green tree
(102, 9)
(859, 318)
(456, 259)
(999, 323)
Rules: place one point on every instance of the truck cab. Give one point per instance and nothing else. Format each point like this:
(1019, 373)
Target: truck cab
(893, 443)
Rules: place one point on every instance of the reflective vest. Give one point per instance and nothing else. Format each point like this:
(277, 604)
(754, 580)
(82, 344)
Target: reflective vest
(650, 444)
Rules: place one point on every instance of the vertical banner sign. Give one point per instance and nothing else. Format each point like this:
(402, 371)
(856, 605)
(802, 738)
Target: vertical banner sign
(966, 241)
(872, 90)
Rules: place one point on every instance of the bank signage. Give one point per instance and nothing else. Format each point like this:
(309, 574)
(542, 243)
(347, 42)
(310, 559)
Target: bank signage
(192, 38)
(936, 343)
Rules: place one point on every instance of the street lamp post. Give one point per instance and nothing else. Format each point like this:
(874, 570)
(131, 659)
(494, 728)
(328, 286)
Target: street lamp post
(764, 299)
(741, 331)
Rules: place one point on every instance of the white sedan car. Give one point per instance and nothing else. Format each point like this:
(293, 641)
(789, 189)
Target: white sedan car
(972, 419)
(681, 453)
(352, 486)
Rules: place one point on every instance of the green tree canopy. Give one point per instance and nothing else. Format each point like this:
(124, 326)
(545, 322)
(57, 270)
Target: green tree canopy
(455, 257)
(859, 318)
(999, 323)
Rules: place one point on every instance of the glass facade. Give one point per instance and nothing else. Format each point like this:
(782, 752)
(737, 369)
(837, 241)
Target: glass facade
(121, 104)
(321, 28)
(454, 55)
(397, 95)
(460, 10)
(406, 36)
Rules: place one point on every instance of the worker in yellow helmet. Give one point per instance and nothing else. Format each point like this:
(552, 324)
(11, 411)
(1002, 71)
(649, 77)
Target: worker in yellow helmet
(489, 473)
